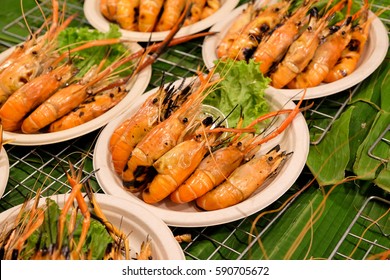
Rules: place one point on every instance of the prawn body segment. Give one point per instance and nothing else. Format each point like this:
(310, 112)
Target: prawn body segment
(297, 58)
(31, 95)
(127, 136)
(173, 168)
(210, 8)
(32, 58)
(272, 49)
(127, 13)
(244, 181)
(234, 31)
(170, 15)
(148, 14)
(147, 152)
(212, 171)
(89, 109)
(325, 57)
(350, 56)
(248, 41)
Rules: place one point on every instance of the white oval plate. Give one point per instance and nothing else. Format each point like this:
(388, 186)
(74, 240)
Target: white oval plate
(295, 138)
(134, 220)
(97, 20)
(137, 89)
(4, 170)
(373, 55)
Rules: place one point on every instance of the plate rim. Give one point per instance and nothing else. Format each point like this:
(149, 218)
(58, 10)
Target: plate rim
(107, 178)
(4, 170)
(96, 19)
(371, 63)
(161, 231)
(140, 85)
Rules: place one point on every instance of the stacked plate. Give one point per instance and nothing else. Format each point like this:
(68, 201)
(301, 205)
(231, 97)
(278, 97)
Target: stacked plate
(97, 20)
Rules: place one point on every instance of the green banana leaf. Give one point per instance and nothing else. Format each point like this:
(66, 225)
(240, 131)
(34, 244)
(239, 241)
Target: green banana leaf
(310, 229)
(328, 160)
(365, 166)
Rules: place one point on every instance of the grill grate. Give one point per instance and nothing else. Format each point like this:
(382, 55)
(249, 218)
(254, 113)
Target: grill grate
(368, 234)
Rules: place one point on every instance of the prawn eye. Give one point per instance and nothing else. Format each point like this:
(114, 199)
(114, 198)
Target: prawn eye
(155, 100)
(270, 158)
(207, 121)
(185, 120)
(264, 27)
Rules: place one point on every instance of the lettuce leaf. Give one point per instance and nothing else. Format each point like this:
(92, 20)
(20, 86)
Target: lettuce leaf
(85, 59)
(243, 84)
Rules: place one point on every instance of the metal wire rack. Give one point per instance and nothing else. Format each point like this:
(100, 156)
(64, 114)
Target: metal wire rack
(366, 235)
(33, 167)
(385, 139)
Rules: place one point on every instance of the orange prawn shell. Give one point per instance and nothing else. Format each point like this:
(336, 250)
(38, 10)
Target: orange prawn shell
(234, 31)
(211, 172)
(273, 49)
(270, 16)
(324, 59)
(89, 110)
(31, 95)
(130, 132)
(148, 14)
(170, 15)
(173, 168)
(53, 108)
(243, 182)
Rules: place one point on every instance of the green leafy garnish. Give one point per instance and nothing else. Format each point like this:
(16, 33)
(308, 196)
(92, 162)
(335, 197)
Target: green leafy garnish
(72, 37)
(243, 84)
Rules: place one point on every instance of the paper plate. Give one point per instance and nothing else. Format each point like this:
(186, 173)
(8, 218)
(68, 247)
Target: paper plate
(132, 219)
(138, 87)
(4, 170)
(295, 138)
(373, 55)
(97, 20)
